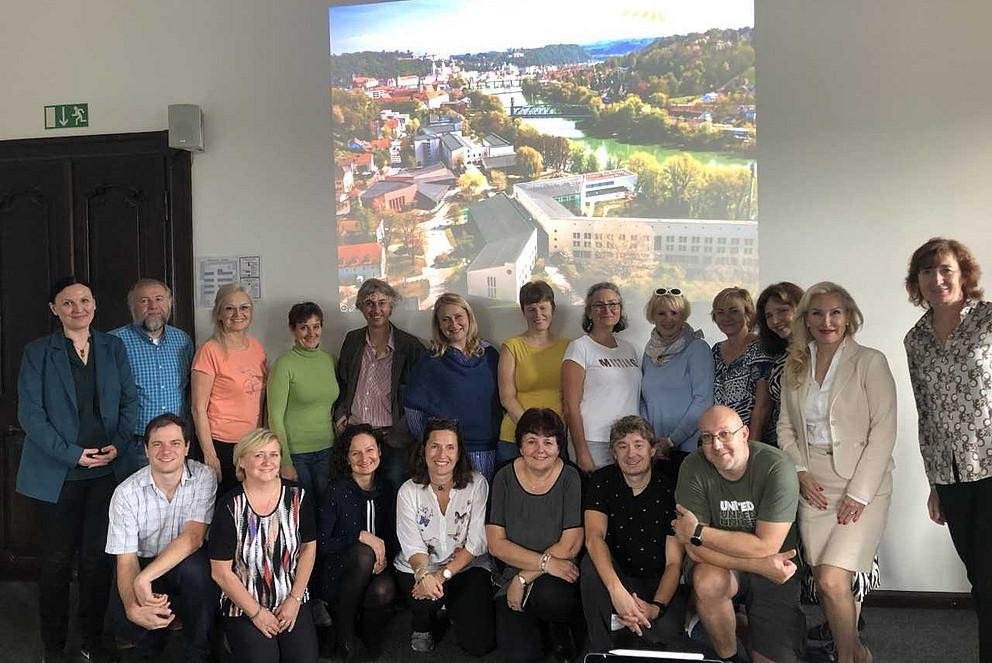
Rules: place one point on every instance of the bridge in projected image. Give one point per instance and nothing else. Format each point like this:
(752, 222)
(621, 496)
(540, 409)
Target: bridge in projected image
(567, 111)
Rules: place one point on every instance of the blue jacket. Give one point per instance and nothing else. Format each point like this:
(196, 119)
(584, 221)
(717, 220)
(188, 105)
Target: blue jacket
(47, 410)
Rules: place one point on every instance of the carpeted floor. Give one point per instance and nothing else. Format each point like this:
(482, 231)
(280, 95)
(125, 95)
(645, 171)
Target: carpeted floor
(896, 635)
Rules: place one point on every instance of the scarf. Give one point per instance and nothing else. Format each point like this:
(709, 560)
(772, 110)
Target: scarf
(661, 351)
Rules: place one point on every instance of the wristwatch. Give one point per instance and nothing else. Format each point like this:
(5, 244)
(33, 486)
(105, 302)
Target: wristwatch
(446, 573)
(697, 536)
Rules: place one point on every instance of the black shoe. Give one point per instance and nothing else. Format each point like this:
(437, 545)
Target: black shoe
(562, 654)
(821, 632)
(96, 653)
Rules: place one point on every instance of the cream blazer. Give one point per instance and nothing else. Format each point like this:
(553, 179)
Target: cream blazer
(862, 421)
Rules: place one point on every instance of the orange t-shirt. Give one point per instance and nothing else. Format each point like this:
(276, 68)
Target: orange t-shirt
(239, 384)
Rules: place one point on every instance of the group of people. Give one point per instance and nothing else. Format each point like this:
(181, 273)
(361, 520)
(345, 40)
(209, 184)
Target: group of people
(550, 493)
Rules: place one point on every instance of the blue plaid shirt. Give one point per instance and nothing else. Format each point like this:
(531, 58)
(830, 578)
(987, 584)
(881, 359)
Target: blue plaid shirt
(161, 371)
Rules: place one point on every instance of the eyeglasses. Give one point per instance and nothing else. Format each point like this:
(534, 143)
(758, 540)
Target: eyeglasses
(230, 310)
(668, 291)
(602, 306)
(725, 436)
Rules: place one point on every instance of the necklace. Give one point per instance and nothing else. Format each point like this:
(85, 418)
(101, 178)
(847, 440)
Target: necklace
(81, 351)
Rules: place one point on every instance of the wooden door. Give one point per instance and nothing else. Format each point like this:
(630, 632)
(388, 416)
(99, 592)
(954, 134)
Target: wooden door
(110, 209)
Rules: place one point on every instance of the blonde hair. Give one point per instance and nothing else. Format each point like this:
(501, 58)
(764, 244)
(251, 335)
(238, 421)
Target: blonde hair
(223, 293)
(439, 342)
(797, 363)
(252, 440)
(679, 304)
(741, 294)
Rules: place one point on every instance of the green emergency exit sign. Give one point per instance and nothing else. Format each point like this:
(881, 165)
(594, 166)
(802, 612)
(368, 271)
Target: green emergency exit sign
(67, 116)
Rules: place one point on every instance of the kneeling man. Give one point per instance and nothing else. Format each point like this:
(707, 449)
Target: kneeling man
(737, 504)
(158, 518)
(634, 561)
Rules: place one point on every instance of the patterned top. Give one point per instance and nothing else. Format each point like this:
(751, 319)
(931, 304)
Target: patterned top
(161, 371)
(775, 396)
(734, 384)
(263, 549)
(373, 403)
(637, 525)
(422, 528)
(952, 382)
(144, 521)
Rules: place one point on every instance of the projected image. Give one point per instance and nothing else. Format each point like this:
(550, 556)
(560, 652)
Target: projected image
(478, 146)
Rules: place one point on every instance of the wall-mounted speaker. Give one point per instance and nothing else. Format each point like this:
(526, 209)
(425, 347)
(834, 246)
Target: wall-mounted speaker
(186, 127)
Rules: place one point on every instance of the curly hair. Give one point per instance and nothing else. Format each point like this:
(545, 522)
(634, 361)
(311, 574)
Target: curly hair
(928, 255)
(340, 467)
(789, 294)
(462, 474)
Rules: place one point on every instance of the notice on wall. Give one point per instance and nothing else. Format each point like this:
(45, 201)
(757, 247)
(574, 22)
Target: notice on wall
(215, 273)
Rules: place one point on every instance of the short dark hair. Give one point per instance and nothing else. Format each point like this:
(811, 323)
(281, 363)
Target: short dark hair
(633, 423)
(927, 256)
(65, 282)
(303, 311)
(167, 419)
(536, 292)
(462, 474)
(787, 293)
(540, 421)
(340, 468)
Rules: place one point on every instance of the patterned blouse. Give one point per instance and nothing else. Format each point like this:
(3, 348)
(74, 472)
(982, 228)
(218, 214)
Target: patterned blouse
(952, 382)
(734, 384)
(263, 549)
(775, 396)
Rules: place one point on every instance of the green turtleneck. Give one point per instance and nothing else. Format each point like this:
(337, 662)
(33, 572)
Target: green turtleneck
(301, 391)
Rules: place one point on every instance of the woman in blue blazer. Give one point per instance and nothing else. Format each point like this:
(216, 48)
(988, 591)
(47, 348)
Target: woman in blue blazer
(77, 404)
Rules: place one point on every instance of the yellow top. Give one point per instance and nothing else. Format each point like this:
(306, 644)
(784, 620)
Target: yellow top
(537, 376)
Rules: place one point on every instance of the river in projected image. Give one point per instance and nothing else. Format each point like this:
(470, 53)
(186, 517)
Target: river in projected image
(474, 160)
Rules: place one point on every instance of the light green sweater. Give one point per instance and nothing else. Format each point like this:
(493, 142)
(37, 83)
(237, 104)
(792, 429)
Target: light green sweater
(301, 391)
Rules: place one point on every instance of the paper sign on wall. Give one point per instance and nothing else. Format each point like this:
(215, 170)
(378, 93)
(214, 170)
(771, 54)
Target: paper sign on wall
(215, 273)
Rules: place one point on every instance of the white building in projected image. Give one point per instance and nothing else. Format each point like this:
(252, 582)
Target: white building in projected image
(556, 206)
(507, 258)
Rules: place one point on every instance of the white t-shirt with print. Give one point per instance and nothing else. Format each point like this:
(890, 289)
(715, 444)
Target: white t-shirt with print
(612, 386)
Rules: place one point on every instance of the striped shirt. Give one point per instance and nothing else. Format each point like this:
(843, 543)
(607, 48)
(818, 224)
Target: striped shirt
(161, 371)
(372, 404)
(144, 521)
(263, 549)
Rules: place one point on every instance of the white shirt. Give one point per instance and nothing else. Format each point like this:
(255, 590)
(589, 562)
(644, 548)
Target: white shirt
(612, 387)
(144, 521)
(816, 409)
(422, 528)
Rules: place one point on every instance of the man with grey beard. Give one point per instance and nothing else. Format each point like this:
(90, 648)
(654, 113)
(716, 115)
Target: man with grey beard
(160, 357)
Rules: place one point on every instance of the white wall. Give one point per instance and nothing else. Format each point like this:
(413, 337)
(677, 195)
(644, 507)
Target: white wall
(873, 132)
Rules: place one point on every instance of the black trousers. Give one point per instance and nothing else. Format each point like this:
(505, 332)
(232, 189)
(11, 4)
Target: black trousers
(967, 507)
(228, 479)
(553, 603)
(468, 596)
(598, 608)
(193, 598)
(248, 645)
(75, 525)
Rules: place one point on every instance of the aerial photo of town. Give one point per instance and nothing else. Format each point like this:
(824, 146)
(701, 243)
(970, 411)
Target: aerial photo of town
(477, 147)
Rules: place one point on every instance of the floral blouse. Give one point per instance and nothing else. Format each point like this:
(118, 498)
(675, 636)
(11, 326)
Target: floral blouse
(952, 382)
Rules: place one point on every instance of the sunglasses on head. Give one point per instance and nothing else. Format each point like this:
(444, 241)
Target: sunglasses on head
(668, 291)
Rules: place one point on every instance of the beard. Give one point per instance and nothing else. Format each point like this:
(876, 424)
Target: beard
(154, 323)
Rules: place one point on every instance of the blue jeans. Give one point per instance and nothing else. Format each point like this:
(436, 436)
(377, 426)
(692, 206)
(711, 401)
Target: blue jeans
(394, 466)
(193, 597)
(313, 470)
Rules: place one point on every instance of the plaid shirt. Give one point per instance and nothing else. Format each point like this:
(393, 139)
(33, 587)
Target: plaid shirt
(145, 522)
(161, 371)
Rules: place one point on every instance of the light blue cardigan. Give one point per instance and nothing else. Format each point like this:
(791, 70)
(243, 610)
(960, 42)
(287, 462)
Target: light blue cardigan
(675, 395)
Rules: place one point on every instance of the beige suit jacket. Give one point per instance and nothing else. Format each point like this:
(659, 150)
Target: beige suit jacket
(862, 421)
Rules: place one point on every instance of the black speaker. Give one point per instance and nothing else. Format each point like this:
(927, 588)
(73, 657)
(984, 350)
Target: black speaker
(186, 127)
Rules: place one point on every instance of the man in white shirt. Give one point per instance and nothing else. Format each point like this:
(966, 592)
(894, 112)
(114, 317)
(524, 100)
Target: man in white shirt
(158, 519)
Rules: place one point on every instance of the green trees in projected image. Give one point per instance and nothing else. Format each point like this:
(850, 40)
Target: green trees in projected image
(683, 188)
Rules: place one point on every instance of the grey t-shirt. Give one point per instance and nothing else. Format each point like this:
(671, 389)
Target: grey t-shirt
(534, 521)
(768, 491)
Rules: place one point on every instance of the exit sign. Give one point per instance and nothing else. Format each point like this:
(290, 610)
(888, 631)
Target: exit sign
(67, 116)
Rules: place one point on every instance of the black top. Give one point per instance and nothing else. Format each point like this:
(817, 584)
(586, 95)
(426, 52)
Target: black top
(91, 431)
(636, 524)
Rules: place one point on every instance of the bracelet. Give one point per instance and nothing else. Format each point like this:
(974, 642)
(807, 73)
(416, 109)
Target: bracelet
(523, 580)
(418, 574)
(662, 607)
(298, 599)
(544, 562)
(257, 613)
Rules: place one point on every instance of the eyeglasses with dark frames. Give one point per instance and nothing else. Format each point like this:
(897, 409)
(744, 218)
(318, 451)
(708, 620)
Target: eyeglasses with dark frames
(724, 436)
